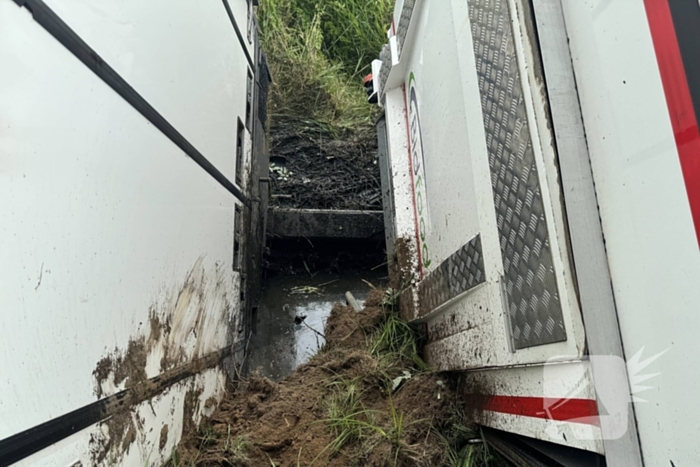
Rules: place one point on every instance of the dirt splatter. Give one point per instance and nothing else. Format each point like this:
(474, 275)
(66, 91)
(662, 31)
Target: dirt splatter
(129, 438)
(401, 270)
(128, 367)
(163, 437)
(474, 390)
(158, 327)
(101, 373)
(209, 406)
(190, 409)
(132, 367)
(403, 277)
(121, 433)
(184, 325)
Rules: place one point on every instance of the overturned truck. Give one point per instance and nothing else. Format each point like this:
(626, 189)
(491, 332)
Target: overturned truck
(541, 187)
(132, 215)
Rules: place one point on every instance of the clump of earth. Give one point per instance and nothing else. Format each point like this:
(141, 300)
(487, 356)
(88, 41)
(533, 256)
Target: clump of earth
(366, 399)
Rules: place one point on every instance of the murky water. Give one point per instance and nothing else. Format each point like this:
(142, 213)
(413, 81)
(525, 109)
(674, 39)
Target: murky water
(278, 345)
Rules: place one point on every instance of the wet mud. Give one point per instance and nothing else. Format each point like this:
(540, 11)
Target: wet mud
(188, 326)
(314, 168)
(288, 327)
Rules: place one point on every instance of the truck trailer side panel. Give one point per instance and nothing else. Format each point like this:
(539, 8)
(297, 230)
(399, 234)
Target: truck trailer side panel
(645, 211)
(182, 57)
(117, 248)
(559, 139)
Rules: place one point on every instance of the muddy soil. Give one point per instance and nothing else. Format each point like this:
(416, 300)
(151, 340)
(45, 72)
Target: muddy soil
(314, 168)
(290, 423)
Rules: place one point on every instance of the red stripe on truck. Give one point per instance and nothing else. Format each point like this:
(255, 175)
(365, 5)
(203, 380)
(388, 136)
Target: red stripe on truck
(583, 411)
(678, 100)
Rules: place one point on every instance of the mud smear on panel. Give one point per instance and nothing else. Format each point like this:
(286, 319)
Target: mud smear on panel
(189, 321)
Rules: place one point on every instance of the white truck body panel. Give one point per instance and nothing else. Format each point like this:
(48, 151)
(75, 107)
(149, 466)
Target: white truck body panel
(111, 235)
(649, 233)
(468, 331)
(443, 52)
(182, 57)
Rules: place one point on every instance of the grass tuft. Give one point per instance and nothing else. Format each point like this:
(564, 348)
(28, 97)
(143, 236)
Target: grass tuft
(465, 445)
(397, 341)
(348, 419)
(236, 449)
(353, 30)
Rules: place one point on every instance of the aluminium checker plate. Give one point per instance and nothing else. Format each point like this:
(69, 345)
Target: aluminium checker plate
(460, 272)
(457, 274)
(534, 307)
(404, 22)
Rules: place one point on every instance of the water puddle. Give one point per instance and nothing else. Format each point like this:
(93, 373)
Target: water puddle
(292, 309)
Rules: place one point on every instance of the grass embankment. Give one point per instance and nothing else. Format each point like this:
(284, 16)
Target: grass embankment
(367, 399)
(318, 51)
(321, 127)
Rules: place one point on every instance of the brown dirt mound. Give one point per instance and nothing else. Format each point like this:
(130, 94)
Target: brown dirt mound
(263, 423)
(345, 328)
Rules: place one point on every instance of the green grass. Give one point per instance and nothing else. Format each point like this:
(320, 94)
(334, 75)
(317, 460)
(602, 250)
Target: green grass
(317, 51)
(395, 434)
(351, 422)
(236, 449)
(465, 445)
(396, 341)
(362, 426)
(348, 419)
(353, 30)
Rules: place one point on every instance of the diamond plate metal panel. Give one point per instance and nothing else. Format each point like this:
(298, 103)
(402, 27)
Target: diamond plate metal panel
(404, 22)
(461, 271)
(385, 57)
(534, 307)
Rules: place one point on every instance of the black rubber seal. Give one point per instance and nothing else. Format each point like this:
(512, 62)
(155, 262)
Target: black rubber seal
(65, 35)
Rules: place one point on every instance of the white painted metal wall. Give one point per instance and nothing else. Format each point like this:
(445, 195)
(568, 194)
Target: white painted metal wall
(651, 244)
(471, 331)
(184, 58)
(104, 222)
(650, 239)
(459, 194)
